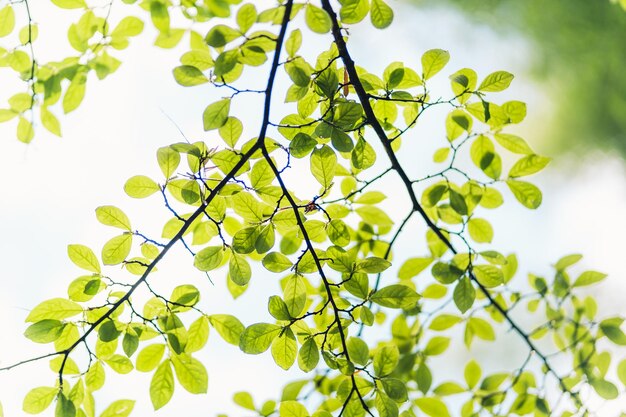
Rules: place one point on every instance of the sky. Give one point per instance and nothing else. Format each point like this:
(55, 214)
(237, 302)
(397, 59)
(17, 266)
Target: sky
(51, 187)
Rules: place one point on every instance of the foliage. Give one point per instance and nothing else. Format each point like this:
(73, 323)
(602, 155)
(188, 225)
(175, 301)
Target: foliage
(366, 339)
(575, 55)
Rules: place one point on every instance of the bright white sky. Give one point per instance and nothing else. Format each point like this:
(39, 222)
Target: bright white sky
(51, 187)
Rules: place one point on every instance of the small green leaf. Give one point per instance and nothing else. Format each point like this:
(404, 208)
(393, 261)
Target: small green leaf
(83, 257)
(433, 61)
(589, 278)
(528, 165)
(38, 399)
(526, 193)
(316, 19)
(308, 355)
(258, 337)
(45, 331)
(285, 349)
(65, 407)
(168, 160)
(189, 76)
(381, 14)
(162, 385)
(7, 20)
(496, 81)
(140, 186)
(464, 294)
(209, 258)
(216, 114)
(432, 406)
(396, 296)
(229, 327)
(323, 165)
(385, 360)
(119, 408)
(191, 373)
(149, 357)
(480, 230)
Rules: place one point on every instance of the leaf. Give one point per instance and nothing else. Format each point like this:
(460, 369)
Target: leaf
(372, 265)
(149, 357)
(162, 385)
(216, 114)
(239, 269)
(65, 407)
(38, 399)
(50, 122)
(488, 275)
(589, 278)
(285, 349)
(70, 4)
(83, 257)
(317, 20)
(45, 331)
(191, 373)
(128, 26)
(385, 360)
(381, 14)
(432, 406)
(464, 294)
(244, 399)
(396, 296)
(119, 408)
(433, 61)
(229, 327)
(25, 130)
(276, 262)
(413, 266)
(7, 20)
(480, 230)
(358, 350)
(140, 186)
(604, 388)
(526, 193)
(323, 165)
(528, 165)
(168, 160)
(209, 258)
(496, 81)
(258, 337)
(611, 329)
(292, 409)
(56, 309)
(308, 355)
(117, 249)
(189, 76)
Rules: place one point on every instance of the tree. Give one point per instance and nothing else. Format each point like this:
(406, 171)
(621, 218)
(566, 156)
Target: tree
(366, 334)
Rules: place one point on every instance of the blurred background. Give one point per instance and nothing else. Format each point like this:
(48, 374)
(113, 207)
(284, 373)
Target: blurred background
(569, 59)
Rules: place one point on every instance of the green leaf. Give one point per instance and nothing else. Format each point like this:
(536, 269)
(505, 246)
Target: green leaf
(216, 114)
(436, 346)
(25, 130)
(396, 296)
(229, 327)
(278, 309)
(56, 309)
(444, 322)
(117, 249)
(285, 349)
(168, 160)
(395, 389)
(162, 385)
(83, 257)
(496, 81)
(209, 258)
(472, 374)
(301, 145)
(413, 266)
(220, 35)
(513, 143)
(488, 275)
(526, 193)
(38, 399)
(385, 360)
(363, 155)
(292, 409)
(276, 262)
(149, 357)
(358, 350)
(160, 16)
(323, 165)
(433, 61)
(386, 406)
(295, 294)
(70, 4)
(381, 14)
(65, 407)
(128, 26)
(246, 17)
(258, 337)
(604, 388)
(239, 269)
(372, 265)
(231, 131)
(317, 20)
(308, 355)
(200, 59)
(119, 408)
(464, 294)
(7, 20)
(244, 399)
(611, 329)
(293, 42)
(45, 331)
(589, 278)
(432, 406)
(140, 186)
(191, 373)
(621, 371)
(480, 230)
(528, 165)
(189, 76)
(50, 122)
(75, 92)
(120, 364)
